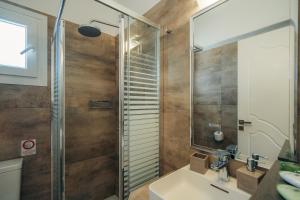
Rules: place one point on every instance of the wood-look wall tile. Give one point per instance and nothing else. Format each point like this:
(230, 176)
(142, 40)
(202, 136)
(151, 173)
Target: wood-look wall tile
(91, 134)
(176, 137)
(19, 96)
(208, 59)
(229, 54)
(21, 124)
(91, 179)
(175, 101)
(208, 80)
(229, 96)
(175, 73)
(204, 115)
(215, 86)
(93, 47)
(229, 77)
(28, 123)
(36, 186)
(210, 97)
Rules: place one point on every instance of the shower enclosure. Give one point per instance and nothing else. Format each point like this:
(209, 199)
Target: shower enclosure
(105, 105)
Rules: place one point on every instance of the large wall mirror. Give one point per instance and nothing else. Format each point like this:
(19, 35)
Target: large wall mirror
(243, 76)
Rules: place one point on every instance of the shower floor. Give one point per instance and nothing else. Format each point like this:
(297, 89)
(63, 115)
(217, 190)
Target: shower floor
(112, 198)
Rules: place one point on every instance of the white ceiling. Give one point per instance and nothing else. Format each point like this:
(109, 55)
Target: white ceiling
(82, 11)
(139, 6)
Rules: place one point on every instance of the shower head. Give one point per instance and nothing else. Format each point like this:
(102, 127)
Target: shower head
(89, 30)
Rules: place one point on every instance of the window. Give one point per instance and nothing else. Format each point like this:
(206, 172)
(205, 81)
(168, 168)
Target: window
(23, 46)
(13, 37)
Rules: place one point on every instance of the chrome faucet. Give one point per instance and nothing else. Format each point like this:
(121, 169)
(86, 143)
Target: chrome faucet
(221, 165)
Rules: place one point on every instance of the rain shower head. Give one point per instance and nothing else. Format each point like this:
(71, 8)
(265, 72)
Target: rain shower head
(89, 30)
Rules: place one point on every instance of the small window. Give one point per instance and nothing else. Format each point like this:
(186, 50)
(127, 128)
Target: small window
(13, 42)
(23, 46)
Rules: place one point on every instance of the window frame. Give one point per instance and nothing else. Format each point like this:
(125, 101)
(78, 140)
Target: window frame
(36, 69)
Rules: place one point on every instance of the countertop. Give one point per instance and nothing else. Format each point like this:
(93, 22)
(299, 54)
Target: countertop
(266, 190)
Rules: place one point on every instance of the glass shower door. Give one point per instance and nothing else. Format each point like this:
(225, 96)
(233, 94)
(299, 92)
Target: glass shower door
(140, 104)
(84, 135)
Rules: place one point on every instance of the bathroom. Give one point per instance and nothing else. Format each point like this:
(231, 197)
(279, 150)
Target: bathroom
(149, 100)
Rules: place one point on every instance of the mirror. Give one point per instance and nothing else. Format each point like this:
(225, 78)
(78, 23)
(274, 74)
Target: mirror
(243, 76)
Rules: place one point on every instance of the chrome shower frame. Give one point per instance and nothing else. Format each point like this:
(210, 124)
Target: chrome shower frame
(58, 107)
(58, 112)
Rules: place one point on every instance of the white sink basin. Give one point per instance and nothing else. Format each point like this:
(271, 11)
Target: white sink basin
(185, 184)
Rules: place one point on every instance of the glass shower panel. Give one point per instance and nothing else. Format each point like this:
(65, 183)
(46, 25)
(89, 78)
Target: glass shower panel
(141, 105)
(86, 161)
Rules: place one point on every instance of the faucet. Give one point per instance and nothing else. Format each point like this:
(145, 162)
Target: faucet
(221, 164)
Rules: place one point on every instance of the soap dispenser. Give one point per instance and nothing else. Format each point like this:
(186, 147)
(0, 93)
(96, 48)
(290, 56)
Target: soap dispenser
(252, 162)
(249, 177)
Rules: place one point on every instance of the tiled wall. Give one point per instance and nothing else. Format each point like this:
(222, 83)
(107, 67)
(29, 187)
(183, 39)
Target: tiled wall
(215, 96)
(175, 121)
(91, 134)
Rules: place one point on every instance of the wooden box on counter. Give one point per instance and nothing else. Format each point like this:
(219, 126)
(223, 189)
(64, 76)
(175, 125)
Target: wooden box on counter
(199, 163)
(248, 181)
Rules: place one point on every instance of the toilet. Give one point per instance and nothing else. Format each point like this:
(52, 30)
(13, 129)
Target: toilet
(10, 179)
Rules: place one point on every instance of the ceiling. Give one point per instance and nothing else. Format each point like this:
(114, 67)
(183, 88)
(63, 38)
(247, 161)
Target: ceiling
(139, 6)
(82, 11)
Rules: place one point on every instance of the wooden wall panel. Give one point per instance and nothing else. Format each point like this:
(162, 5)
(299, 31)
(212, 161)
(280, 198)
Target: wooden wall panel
(175, 130)
(91, 134)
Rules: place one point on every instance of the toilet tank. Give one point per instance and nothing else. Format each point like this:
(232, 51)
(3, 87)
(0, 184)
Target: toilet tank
(10, 179)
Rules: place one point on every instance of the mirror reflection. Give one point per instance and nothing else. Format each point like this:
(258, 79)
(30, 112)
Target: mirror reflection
(243, 76)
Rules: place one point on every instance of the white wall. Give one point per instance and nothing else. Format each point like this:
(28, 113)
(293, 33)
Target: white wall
(238, 17)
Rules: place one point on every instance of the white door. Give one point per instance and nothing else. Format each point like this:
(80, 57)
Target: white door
(266, 92)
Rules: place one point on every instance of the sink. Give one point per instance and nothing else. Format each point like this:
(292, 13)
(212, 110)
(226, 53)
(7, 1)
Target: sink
(185, 184)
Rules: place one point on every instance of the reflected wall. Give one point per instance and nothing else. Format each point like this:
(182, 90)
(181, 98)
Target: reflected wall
(215, 96)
